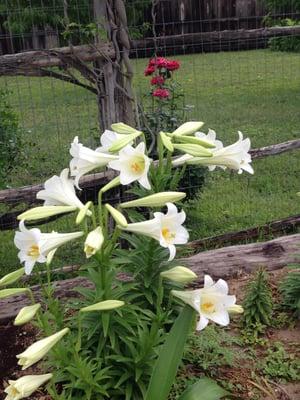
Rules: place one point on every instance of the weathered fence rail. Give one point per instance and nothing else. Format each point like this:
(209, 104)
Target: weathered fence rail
(26, 196)
(226, 262)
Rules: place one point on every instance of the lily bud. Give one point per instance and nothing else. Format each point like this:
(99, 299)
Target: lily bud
(119, 144)
(235, 309)
(193, 149)
(103, 306)
(12, 292)
(93, 242)
(83, 212)
(179, 274)
(39, 349)
(26, 314)
(12, 277)
(155, 200)
(188, 128)
(44, 212)
(194, 140)
(166, 141)
(110, 185)
(25, 386)
(117, 216)
(120, 127)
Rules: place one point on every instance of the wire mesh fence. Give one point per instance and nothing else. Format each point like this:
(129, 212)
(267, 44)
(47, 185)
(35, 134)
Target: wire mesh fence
(239, 70)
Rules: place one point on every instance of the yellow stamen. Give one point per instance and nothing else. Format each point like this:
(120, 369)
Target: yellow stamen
(167, 234)
(34, 251)
(136, 167)
(208, 307)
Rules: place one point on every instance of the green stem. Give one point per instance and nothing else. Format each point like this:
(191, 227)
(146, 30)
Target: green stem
(100, 208)
(160, 295)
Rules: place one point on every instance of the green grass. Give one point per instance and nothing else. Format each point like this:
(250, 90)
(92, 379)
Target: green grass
(257, 92)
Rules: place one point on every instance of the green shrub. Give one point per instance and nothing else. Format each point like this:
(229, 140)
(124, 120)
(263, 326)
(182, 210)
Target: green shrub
(280, 365)
(10, 138)
(287, 43)
(290, 290)
(258, 304)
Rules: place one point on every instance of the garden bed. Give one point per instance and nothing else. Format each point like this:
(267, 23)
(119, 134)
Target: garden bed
(239, 367)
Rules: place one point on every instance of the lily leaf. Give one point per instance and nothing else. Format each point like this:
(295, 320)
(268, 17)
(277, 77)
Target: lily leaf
(170, 355)
(204, 389)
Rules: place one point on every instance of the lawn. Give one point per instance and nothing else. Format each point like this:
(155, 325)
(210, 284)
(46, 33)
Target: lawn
(257, 92)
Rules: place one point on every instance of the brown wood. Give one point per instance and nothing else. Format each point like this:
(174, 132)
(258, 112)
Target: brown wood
(281, 226)
(27, 194)
(220, 38)
(30, 62)
(223, 263)
(275, 149)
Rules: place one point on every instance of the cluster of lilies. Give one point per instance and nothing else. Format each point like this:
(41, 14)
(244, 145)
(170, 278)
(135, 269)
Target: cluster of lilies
(123, 150)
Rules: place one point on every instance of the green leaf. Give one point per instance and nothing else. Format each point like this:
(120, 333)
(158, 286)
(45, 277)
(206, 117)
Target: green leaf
(170, 356)
(204, 389)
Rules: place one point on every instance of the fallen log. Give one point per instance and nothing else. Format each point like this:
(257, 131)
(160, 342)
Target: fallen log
(281, 226)
(225, 263)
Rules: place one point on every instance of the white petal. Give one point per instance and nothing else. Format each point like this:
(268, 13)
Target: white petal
(208, 281)
(172, 250)
(144, 181)
(220, 317)
(221, 286)
(202, 323)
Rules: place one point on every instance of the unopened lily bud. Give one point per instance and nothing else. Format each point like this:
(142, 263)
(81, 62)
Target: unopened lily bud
(155, 200)
(179, 274)
(194, 140)
(119, 144)
(25, 386)
(103, 306)
(193, 149)
(12, 277)
(122, 128)
(166, 141)
(39, 349)
(93, 242)
(235, 309)
(188, 128)
(12, 292)
(110, 185)
(83, 212)
(117, 216)
(45, 212)
(26, 314)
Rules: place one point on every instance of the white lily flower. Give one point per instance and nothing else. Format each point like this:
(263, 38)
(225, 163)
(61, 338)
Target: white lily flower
(235, 156)
(85, 159)
(60, 191)
(133, 165)
(34, 245)
(108, 139)
(212, 302)
(166, 228)
(39, 349)
(25, 386)
(93, 242)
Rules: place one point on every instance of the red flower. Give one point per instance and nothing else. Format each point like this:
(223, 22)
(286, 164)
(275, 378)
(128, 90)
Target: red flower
(157, 80)
(149, 70)
(159, 62)
(161, 93)
(172, 65)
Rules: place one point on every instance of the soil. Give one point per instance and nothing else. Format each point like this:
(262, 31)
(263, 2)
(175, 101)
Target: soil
(14, 340)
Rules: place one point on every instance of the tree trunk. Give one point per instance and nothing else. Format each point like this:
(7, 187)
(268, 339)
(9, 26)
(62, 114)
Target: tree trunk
(115, 100)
